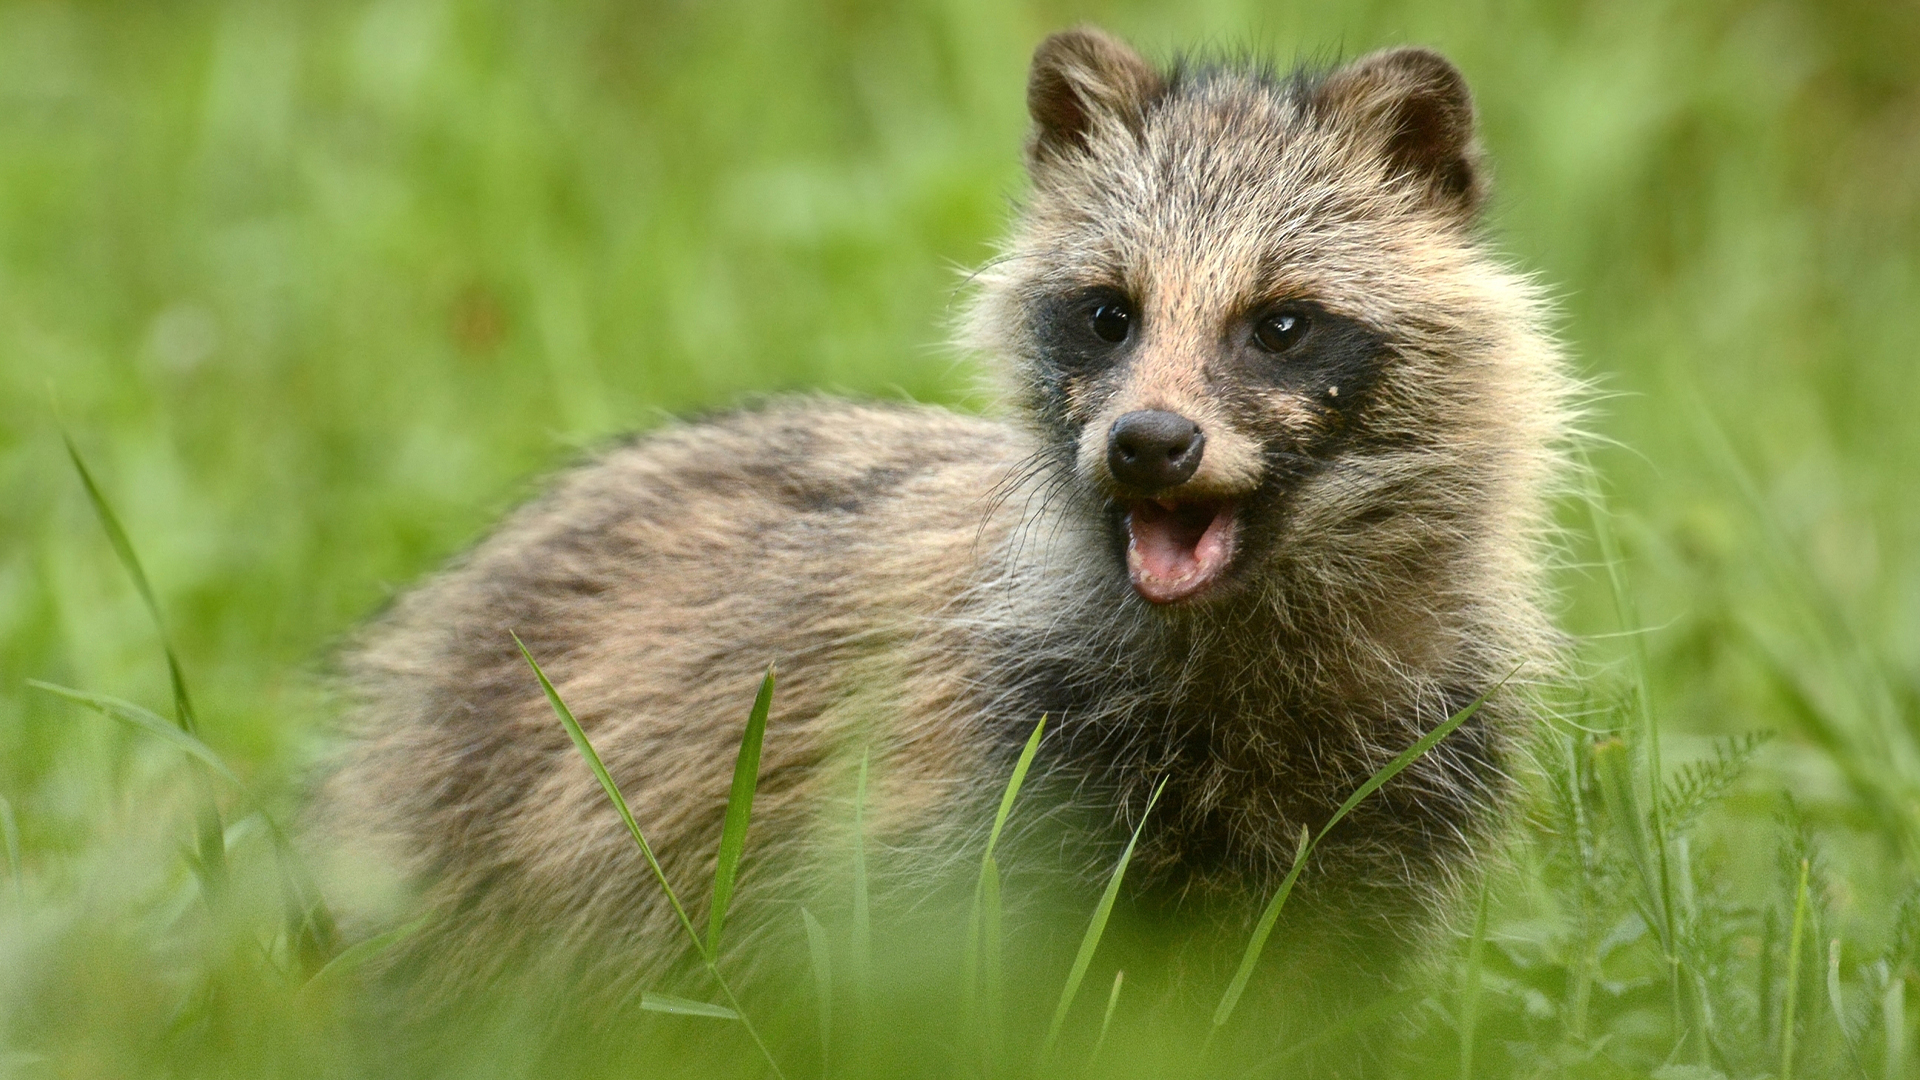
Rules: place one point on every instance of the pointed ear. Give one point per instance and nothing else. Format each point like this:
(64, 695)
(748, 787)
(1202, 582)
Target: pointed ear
(1418, 106)
(1079, 78)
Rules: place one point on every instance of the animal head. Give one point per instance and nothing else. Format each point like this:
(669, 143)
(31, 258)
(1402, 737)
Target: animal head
(1251, 322)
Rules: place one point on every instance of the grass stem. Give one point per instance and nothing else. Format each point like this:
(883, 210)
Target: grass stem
(10, 839)
(1258, 942)
(619, 801)
(1470, 993)
(981, 963)
(820, 954)
(1096, 927)
(1106, 1019)
(1794, 941)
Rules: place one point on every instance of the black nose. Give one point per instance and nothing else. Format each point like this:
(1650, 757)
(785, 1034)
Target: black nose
(1152, 450)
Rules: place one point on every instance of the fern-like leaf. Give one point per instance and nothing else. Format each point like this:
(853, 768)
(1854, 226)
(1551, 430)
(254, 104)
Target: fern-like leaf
(1699, 784)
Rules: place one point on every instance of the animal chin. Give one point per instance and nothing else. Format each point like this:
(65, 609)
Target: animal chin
(1178, 548)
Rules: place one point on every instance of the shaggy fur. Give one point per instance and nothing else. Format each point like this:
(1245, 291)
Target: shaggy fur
(930, 584)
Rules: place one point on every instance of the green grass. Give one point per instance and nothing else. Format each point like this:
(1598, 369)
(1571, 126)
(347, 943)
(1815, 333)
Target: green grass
(320, 289)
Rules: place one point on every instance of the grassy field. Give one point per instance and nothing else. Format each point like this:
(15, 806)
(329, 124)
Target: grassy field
(319, 289)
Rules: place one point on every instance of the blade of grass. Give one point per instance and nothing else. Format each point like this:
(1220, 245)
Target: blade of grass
(1106, 1019)
(1767, 983)
(986, 907)
(1893, 1022)
(210, 856)
(821, 954)
(1018, 778)
(1837, 1003)
(10, 836)
(612, 790)
(1627, 613)
(310, 924)
(356, 956)
(1258, 942)
(741, 1014)
(1585, 960)
(1096, 927)
(992, 976)
(679, 1006)
(733, 834)
(1470, 995)
(1384, 1009)
(1613, 765)
(144, 720)
(1794, 941)
(211, 862)
(123, 549)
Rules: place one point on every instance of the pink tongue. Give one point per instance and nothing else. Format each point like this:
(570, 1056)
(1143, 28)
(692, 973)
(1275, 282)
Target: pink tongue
(1174, 553)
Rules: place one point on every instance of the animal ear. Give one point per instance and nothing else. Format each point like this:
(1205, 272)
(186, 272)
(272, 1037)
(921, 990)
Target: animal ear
(1079, 79)
(1418, 106)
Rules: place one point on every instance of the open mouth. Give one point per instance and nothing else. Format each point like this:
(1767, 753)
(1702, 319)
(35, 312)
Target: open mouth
(1176, 548)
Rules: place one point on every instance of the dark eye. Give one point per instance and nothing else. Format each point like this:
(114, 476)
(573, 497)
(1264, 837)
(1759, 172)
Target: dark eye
(1280, 332)
(1111, 322)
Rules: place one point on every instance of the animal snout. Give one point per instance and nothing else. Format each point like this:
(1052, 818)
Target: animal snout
(1152, 450)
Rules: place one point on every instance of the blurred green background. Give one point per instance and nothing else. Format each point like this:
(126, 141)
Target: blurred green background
(321, 288)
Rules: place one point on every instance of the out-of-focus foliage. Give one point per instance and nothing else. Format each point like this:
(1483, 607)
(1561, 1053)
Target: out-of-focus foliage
(319, 289)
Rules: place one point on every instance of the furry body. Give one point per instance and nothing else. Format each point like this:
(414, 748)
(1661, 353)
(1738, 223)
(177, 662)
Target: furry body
(1371, 493)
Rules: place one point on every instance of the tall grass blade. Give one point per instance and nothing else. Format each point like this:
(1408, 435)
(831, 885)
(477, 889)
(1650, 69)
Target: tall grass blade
(1627, 612)
(1263, 929)
(1794, 942)
(986, 902)
(210, 852)
(1106, 1018)
(1018, 778)
(679, 1006)
(143, 720)
(821, 955)
(1384, 1009)
(1097, 927)
(359, 954)
(992, 956)
(1614, 768)
(1766, 982)
(10, 837)
(733, 834)
(1893, 1022)
(1268, 918)
(1408, 756)
(1837, 1002)
(612, 790)
(211, 861)
(1834, 999)
(607, 785)
(1470, 995)
(310, 924)
(123, 549)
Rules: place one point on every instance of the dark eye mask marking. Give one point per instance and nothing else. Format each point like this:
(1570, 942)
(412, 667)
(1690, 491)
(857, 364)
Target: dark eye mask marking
(1332, 359)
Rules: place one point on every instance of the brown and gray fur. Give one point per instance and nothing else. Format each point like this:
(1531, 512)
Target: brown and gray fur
(930, 584)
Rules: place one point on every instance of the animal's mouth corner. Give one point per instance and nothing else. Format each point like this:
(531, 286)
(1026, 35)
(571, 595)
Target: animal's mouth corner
(1178, 548)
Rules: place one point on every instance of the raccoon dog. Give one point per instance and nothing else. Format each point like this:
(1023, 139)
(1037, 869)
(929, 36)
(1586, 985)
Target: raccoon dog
(1266, 505)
